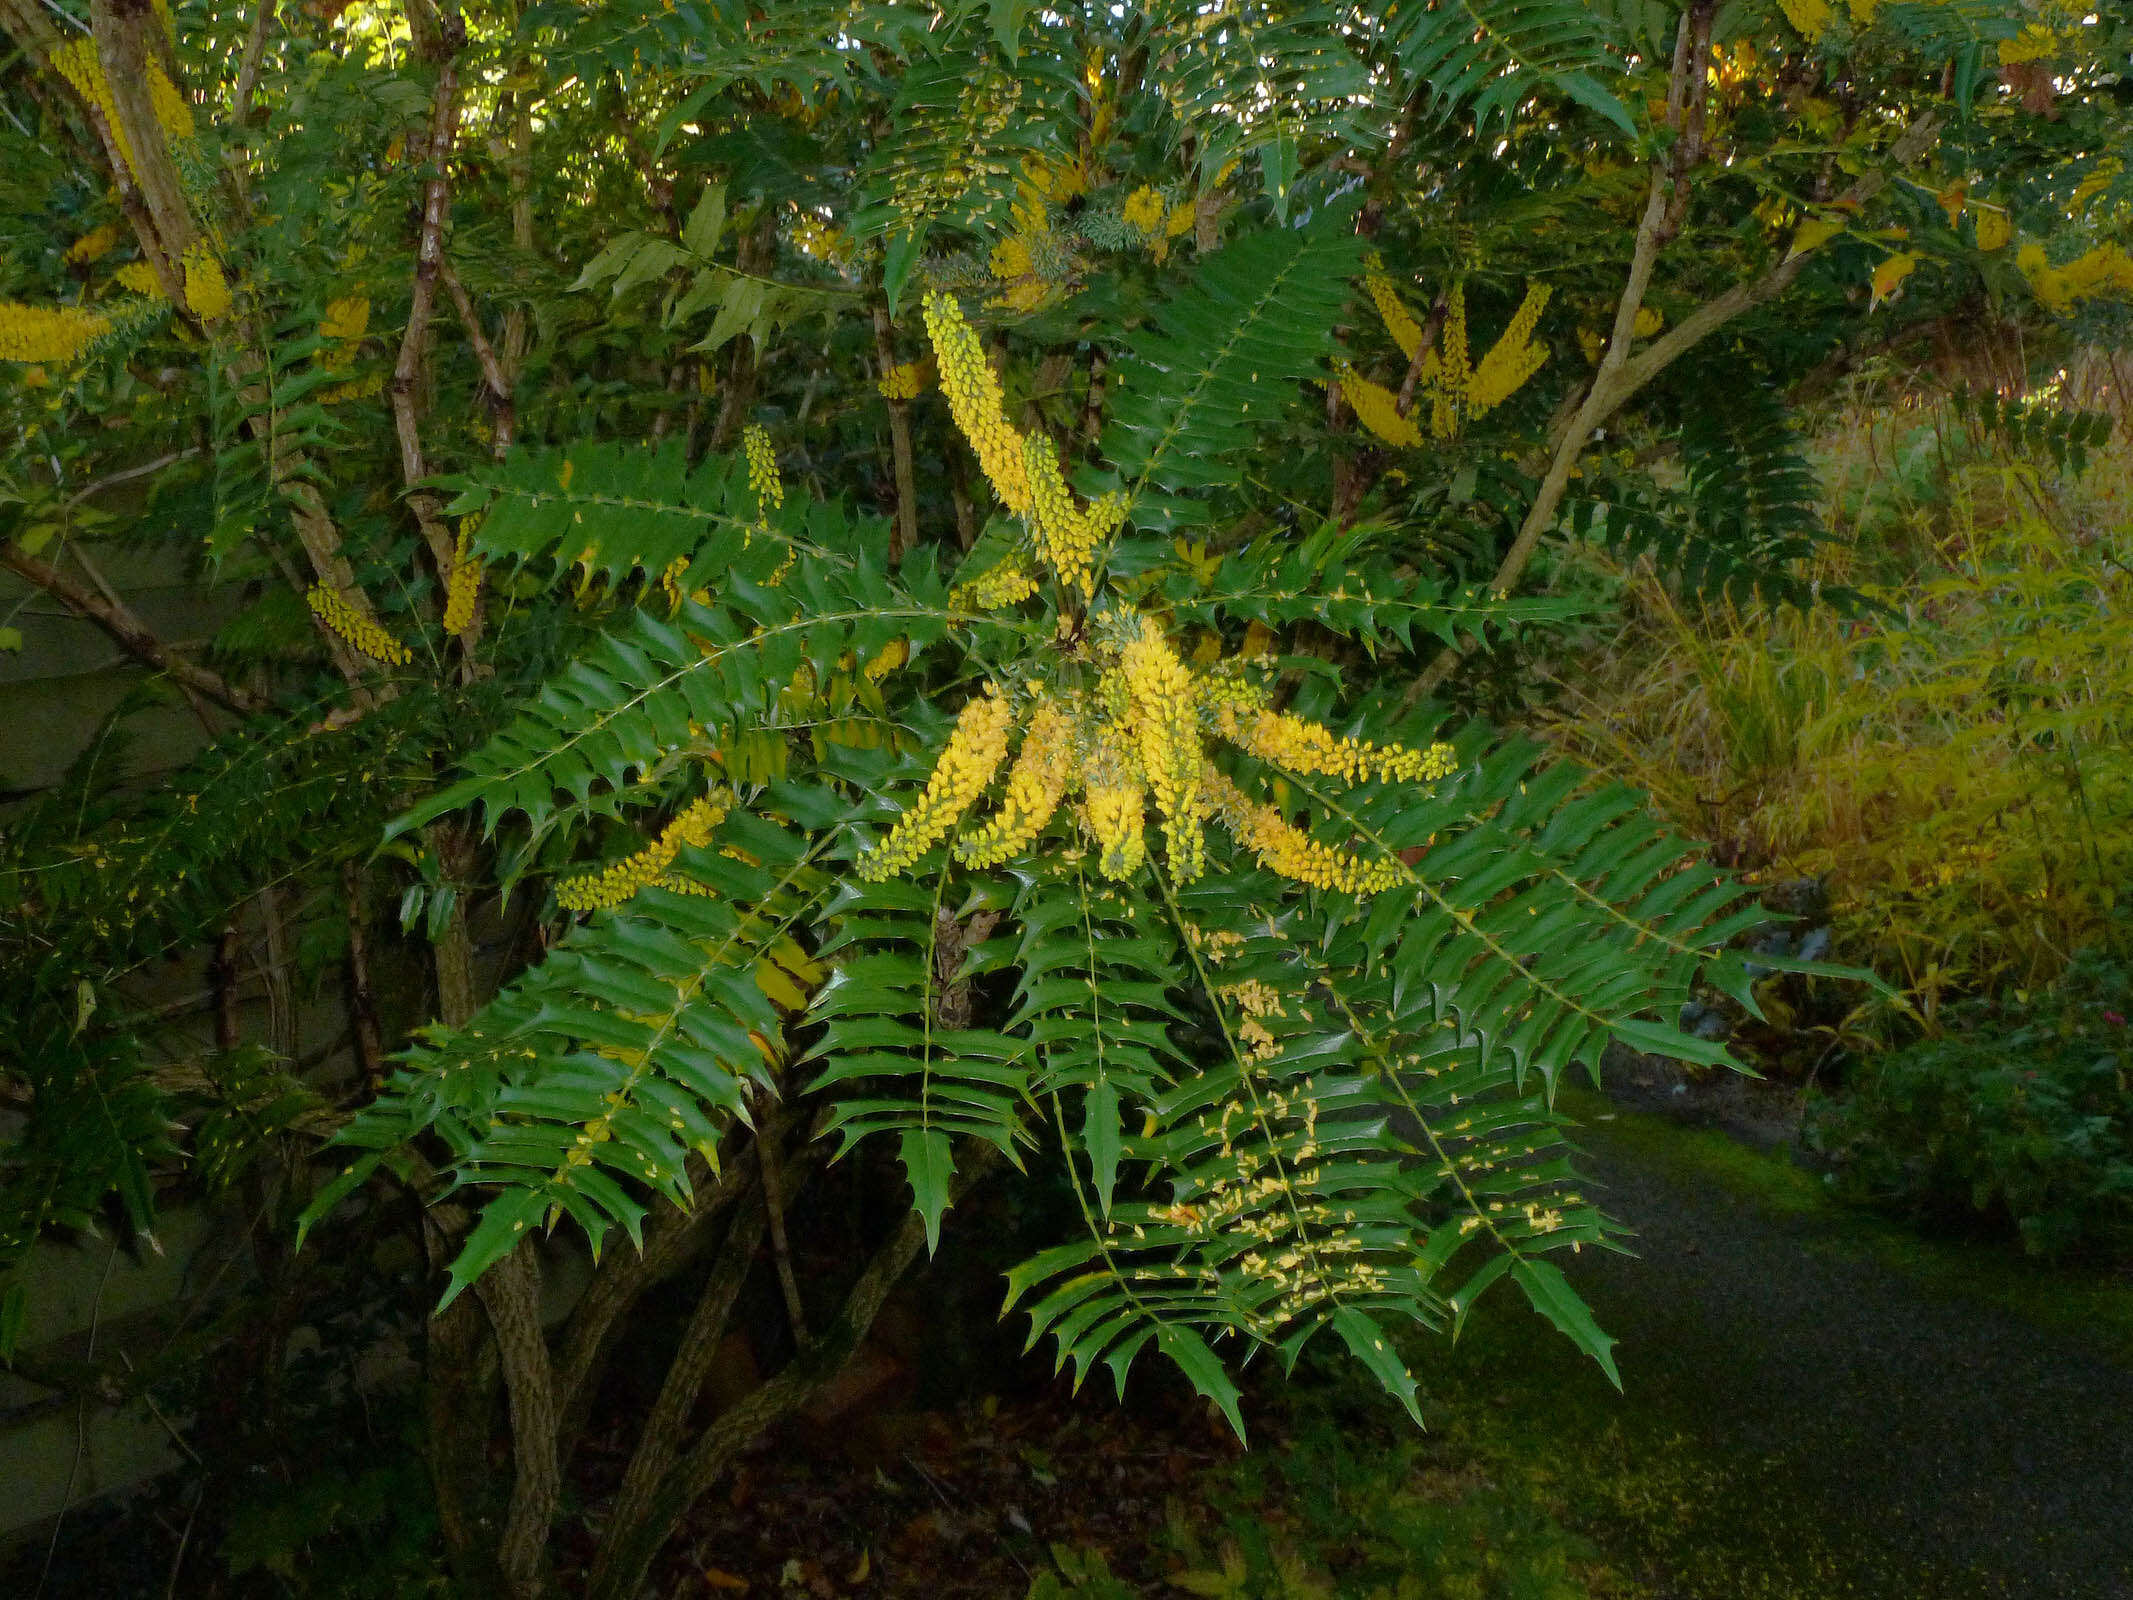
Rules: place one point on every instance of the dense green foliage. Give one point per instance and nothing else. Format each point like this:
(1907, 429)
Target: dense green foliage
(1075, 766)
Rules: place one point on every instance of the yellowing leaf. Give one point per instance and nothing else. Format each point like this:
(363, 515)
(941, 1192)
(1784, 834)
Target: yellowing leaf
(1892, 272)
(1812, 234)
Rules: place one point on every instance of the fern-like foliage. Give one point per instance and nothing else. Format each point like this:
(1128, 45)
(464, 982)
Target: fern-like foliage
(1224, 358)
(638, 1041)
(1489, 56)
(1745, 517)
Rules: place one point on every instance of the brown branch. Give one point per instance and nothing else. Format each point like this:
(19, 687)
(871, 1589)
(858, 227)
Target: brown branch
(422, 298)
(510, 1292)
(774, 1192)
(665, 1430)
(1621, 376)
(362, 1001)
(905, 538)
(128, 632)
(121, 28)
(255, 50)
(503, 416)
(672, 1238)
(630, 1549)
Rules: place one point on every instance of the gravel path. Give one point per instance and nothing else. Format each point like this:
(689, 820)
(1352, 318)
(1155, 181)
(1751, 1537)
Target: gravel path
(1934, 1445)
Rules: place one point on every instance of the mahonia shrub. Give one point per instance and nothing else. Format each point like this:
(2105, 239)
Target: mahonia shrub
(1282, 978)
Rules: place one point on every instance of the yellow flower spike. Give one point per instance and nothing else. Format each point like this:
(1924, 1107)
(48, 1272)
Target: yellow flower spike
(76, 60)
(2033, 43)
(1452, 371)
(907, 380)
(1115, 823)
(1385, 294)
(357, 630)
(1811, 17)
(1144, 209)
(345, 321)
(1378, 409)
(464, 585)
(1513, 358)
(965, 768)
(1035, 785)
(1649, 320)
(93, 245)
(207, 293)
(1066, 535)
(618, 881)
(47, 333)
(1008, 584)
(763, 480)
(1993, 228)
(1304, 747)
(1163, 710)
(1289, 851)
(1010, 259)
(1183, 216)
(975, 401)
(140, 278)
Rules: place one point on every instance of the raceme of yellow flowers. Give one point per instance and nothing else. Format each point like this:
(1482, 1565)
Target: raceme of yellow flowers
(463, 586)
(93, 245)
(207, 293)
(1140, 736)
(1007, 584)
(48, 333)
(2106, 269)
(359, 631)
(763, 479)
(975, 401)
(76, 61)
(1024, 473)
(1458, 392)
(906, 381)
(615, 883)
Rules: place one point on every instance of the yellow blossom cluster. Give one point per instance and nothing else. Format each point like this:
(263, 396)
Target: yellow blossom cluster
(463, 587)
(1512, 359)
(359, 631)
(1145, 209)
(344, 322)
(2104, 270)
(1163, 710)
(1138, 736)
(1810, 17)
(1449, 370)
(907, 380)
(140, 278)
(1067, 535)
(975, 401)
(1036, 783)
(973, 755)
(47, 333)
(819, 240)
(76, 61)
(1648, 321)
(1385, 294)
(1296, 745)
(93, 245)
(1378, 409)
(2033, 43)
(616, 882)
(1285, 848)
(1114, 813)
(207, 292)
(1008, 584)
(763, 480)
(1993, 227)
